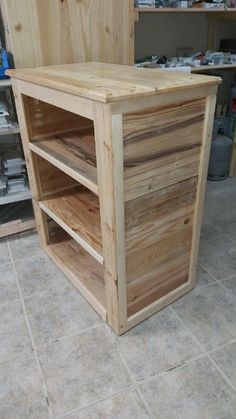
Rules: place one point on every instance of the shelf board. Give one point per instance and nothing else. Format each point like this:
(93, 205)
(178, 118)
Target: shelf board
(84, 271)
(77, 212)
(73, 153)
(181, 10)
(5, 83)
(15, 129)
(15, 197)
(213, 67)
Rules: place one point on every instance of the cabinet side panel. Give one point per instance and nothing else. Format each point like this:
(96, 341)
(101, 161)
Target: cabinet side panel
(162, 150)
(162, 146)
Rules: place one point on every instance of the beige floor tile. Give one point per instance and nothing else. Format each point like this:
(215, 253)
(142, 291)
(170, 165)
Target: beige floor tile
(39, 273)
(14, 337)
(219, 257)
(82, 369)
(226, 360)
(194, 391)
(21, 395)
(59, 312)
(210, 314)
(126, 405)
(4, 253)
(8, 285)
(156, 345)
(24, 246)
(203, 278)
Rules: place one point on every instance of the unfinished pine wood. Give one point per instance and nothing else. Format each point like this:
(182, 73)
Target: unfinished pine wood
(110, 83)
(77, 212)
(61, 32)
(82, 269)
(72, 153)
(146, 161)
(52, 180)
(154, 139)
(45, 119)
(151, 287)
(109, 149)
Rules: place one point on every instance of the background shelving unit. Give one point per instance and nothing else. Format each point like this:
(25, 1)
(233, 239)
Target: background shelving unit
(12, 218)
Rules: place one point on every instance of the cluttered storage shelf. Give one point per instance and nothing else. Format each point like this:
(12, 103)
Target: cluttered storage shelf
(183, 10)
(117, 193)
(16, 213)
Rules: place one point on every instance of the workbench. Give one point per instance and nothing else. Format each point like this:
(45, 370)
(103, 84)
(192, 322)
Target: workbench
(117, 160)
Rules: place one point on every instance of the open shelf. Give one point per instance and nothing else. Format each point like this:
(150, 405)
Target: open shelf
(14, 129)
(213, 67)
(82, 269)
(77, 212)
(73, 153)
(5, 83)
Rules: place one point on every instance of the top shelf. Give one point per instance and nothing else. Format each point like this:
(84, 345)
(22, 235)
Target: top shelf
(181, 10)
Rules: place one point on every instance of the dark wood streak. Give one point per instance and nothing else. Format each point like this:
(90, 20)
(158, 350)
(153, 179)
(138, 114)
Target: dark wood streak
(137, 161)
(134, 138)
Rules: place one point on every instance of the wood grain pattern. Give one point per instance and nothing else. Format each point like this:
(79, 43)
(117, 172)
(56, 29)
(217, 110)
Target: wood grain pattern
(162, 146)
(146, 164)
(52, 180)
(83, 270)
(204, 161)
(109, 150)
(73, 153)
(77, 211)
(44, 119)
(159, 214)
(107, 83)
(158, 283)
(60, 32)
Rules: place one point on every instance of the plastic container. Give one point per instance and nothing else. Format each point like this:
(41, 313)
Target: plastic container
(4, 63)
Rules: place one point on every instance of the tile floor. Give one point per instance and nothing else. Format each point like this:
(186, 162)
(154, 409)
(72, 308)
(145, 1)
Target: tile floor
(59, 360)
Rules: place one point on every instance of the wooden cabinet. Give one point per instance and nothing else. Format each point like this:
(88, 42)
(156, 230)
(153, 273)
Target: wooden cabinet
(117, 160)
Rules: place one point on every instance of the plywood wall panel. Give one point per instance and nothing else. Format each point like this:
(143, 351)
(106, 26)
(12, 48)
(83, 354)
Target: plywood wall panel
(43, 32)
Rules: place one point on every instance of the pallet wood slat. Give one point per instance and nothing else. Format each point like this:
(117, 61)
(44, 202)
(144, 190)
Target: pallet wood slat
(123, 183)
(77, 211)
(73, 153)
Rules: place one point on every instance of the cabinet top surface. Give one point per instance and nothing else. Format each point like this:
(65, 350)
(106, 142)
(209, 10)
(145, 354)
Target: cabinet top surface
(110, 82)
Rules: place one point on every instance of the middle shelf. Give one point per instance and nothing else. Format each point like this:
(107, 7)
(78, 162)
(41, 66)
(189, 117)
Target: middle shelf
(73, 153)
(77, 212)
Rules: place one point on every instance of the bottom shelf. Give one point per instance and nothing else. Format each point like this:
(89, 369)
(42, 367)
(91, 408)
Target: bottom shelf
(82, 269)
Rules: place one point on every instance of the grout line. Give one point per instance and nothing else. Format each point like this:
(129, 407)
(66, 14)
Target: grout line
(224, 376)
(31, 334)
(79, 409)
(15, 300)
(18, 355)
(133, 380)
(178, 366)
(61, 338)
(211, 274)
(222, 346)
(145, 380)
(206, 353)
(219, 282)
